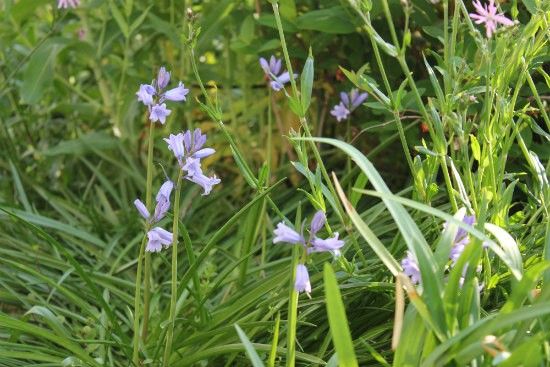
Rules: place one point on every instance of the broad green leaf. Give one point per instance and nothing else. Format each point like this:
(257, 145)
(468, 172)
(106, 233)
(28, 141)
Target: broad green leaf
(334, 20)
(119, 18)
(39, 73)
(306, 84)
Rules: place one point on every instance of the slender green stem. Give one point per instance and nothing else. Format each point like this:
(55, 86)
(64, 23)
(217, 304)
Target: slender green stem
(348, 140)
(137, 302)
(446, 48)
(141, 255)
(269, 137)
(148, 203)
(542, 109)
(448, 182)
(174, 282)
(391, 26)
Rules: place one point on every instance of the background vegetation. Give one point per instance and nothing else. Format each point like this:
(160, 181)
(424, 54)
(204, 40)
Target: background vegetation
(454, 123)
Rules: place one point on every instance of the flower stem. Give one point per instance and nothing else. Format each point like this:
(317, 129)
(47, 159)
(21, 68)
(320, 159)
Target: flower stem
(148, 203)
(141, 255)
(137, 302)
(174, 282)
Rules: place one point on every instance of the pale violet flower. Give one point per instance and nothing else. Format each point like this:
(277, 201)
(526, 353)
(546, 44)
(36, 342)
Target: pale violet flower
(461, 239)
(142, 209)
(165, 190)
(175, 144)
(348, 103)
(302, 283)
(163, 78)
(203, 181)
(64, 4)
(489, 15)
(284, 233)
(203, 153)
(159, 112)
(158, 238)
(410, 268)
(145, 94)
(279, 82)
(177, 94)
(332, 244)
(188, 150)
(353, 99)
(192, 166)
(162, 206)
(153, 95)
(340, 112)
(163, 200)
(273, 67)
(317, 222)
(272, 70)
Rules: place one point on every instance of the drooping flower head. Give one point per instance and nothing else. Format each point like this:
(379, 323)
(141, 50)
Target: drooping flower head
(489, 15)
(153, 95)
(302, 283)
(461, 239)
(64, 4)
(340, 112)
(159, 112)
(348, 103)
(188, 150)
(158, 238)
(284, 233)
(272, 70)
(273, 66)
(162, 206)
(410, 268)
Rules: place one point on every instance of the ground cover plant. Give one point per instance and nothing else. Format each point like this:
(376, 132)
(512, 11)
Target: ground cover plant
(274, 183)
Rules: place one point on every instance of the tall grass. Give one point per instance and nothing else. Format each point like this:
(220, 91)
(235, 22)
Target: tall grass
(455, 123)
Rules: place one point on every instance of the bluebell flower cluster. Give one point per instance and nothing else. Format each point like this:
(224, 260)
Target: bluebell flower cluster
(272, 70)
(188, 150)
(284, 233)
(348, 103)
(158, 237)
(461, 239)
(410, 268)
(410, 264)
(153, 96)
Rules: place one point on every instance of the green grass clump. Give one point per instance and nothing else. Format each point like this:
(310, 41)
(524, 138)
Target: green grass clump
(456, 123)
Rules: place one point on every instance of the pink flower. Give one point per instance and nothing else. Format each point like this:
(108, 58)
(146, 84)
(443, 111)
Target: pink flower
(67, 4)
(489, 16)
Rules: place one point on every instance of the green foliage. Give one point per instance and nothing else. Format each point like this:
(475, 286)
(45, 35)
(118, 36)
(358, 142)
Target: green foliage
(455, 123)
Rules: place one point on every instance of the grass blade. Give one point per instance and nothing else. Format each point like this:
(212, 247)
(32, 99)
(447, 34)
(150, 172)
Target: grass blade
(338, 321)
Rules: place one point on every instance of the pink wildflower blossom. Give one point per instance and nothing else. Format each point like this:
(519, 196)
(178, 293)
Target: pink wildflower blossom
(67, 4)
(490, 16)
